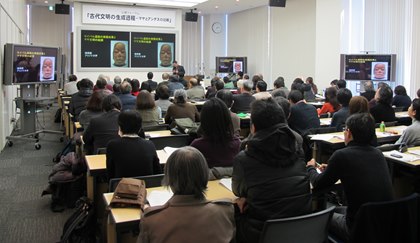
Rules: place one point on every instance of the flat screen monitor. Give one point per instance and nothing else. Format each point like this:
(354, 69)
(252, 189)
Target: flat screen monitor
(231, 64)
(125, 49)
(380, 67)
(29, 64)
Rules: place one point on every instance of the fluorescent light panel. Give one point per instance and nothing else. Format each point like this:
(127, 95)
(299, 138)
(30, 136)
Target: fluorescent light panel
(167, 3)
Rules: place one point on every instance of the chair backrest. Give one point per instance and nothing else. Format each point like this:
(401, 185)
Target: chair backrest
(101, 151)
(388, 222)
(175, 141)
(160, 127)
(310, 228)
(150, 180)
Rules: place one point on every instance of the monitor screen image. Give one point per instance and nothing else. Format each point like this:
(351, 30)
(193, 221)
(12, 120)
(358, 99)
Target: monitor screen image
(368, 67)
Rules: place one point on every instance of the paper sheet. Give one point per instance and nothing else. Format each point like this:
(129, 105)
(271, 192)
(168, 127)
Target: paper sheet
(157, 198)
(226, 182)
(169, 150)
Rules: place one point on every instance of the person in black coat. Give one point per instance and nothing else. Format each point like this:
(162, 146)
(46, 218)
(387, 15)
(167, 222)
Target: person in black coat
(103, 128)
(269, 176)
(383, 111)
(242, 102)
(149, 85)
(362, 169)
(401, 99)
(177, 69)
(79, 100)
(302, 116)
(131, 155)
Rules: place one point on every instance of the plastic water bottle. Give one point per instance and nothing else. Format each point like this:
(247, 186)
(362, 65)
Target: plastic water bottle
(382, 127)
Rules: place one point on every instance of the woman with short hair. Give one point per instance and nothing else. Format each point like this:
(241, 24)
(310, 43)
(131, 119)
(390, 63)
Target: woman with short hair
(150, 113)
(93, 109)
(188, 216)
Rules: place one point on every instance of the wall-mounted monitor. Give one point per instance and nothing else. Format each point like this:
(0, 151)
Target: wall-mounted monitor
(231, 64)
(379, 67)
(28, 64)
(124, 49)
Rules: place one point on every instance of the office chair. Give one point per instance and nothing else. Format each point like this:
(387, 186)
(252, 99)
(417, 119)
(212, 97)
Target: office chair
(388, 222)
(175, 141)
(101, 151)
(310, 228)
(150, 180)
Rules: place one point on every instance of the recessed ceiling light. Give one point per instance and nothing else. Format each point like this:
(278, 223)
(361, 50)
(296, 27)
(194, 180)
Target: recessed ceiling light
(216, 6)
(45, 1)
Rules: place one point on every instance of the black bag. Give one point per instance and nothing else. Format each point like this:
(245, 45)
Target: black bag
(184, 126)
(70, 147)
(80, 227)
(57, 116)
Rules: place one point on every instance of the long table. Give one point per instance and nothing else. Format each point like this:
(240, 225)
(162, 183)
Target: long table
(335, 140)
(96, 167)
(120, 219)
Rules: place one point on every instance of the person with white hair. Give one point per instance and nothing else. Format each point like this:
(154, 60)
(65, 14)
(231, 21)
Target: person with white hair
(242, 101)
(181, 109)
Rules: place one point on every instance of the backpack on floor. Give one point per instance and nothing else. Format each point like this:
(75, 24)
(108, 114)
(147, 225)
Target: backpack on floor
(80, 227)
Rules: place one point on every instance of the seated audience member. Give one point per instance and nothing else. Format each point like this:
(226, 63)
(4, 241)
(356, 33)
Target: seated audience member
(242, 101)
(130, 155)
(284, 104)
(174, 84)
(195, 91)
(71, 86)
(181, 109)
(182, 80)
(314, 88)
(362, 169)
(341, 84)
(228, 83)
(104, 127)
(334, 83)
(93, 109)
(188, 216)
(411, 136)
(145, 105)
(117, 80)
(149, 84)
(269, 176)
(261, 91)
(165, 81)
(254, 80)
(211, 91)
(217, 135)
(101, 86)
(375, 99)
(79, 100)
(369, 90)
(116, 89)
(302, 116)
(401, 99)
(383, 110)
(135, 87)
(227, 97)
(331, 104)
(163, 102)
(128, 101)
(279, 88)
(339, 118)
(358, 104)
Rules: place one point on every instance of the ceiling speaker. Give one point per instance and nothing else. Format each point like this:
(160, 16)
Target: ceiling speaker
(277, 3)
(62, 8)
(191, 17)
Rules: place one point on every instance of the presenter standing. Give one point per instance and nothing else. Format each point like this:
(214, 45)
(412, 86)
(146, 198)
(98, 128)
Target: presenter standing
(177, 69)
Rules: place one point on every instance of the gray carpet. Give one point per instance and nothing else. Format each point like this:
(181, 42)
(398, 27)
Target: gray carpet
(25, 216)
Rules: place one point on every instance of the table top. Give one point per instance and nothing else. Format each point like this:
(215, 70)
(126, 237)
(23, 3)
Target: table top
(96, 164)
(125, 215)
(163, 133)
(408, 159)
(338, 137)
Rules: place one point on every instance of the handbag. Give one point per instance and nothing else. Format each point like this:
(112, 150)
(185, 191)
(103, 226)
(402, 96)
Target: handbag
(184, 126)
(130, 192)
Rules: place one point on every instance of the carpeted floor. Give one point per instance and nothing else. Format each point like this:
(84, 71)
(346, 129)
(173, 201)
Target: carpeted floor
(25, 216)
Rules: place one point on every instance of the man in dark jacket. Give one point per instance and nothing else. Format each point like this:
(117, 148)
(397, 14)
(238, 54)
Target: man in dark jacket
(302, 116)
(149, 84)
(128, 101)
(362, 170)
(242, 101)
(269, 176)
(79, 100)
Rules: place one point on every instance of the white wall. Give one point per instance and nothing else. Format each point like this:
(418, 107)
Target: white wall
(140, 74)
(13, 30)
